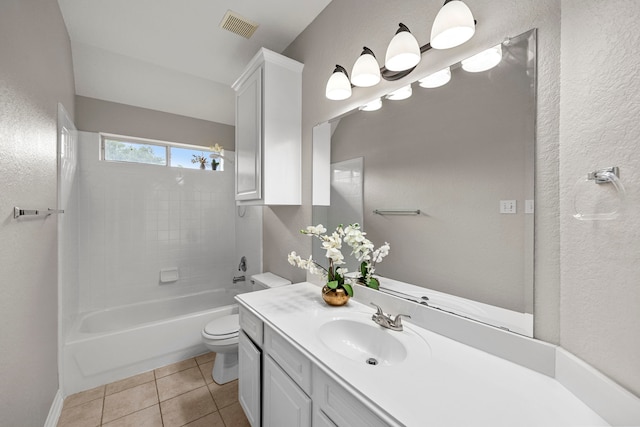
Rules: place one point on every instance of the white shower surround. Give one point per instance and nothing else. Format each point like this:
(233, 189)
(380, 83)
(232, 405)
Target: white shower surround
(137, 219)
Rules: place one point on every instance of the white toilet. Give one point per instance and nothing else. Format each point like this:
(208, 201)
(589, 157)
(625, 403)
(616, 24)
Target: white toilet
(221, 334)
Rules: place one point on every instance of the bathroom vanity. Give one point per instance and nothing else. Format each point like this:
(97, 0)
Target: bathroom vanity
(303, 363)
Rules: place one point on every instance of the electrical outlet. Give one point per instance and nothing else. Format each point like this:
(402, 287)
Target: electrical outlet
(508, 206)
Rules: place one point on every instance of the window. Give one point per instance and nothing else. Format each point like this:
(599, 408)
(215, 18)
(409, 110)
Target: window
(134, 152)
(137, 150)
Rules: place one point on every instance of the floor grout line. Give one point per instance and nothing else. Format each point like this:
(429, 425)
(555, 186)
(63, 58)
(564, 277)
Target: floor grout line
(158, 393)
(104, 401)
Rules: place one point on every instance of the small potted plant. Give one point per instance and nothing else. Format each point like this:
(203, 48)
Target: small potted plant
(336, 291)
(217, 153)
(200, 159)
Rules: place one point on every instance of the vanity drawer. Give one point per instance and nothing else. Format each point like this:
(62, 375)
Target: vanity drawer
(340, 406)
(251, 325)
(291, 360)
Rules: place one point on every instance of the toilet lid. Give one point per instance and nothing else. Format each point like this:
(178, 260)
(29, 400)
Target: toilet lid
(224, 326)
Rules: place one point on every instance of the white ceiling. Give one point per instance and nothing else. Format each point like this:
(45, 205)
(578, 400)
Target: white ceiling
(172, 55)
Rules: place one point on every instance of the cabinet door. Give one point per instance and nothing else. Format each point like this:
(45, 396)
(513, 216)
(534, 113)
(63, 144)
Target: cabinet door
(320, 419)
(285, 404)
(249, 379)
(249, 138)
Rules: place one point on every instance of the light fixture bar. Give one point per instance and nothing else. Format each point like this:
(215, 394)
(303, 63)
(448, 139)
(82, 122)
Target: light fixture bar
(454, 25)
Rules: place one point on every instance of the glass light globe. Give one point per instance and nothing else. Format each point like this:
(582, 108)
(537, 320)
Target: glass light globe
(437, 79)
(454, 25)
(338, 85)
(400, 94)
(366, 71)
(483, 61)
(403, 51)
(374, 105)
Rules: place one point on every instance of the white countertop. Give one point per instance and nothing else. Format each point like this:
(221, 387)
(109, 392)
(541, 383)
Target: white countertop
(441, 382)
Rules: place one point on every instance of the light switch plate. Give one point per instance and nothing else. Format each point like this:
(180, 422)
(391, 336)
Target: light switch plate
(529, 206)
(508, 206)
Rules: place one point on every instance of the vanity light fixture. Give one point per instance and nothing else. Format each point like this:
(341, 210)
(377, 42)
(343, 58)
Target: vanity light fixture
(338, 86)
(374, 105)
(454, 25)
(403, 93)
(366, 71)
(483, 61)
(437, 79)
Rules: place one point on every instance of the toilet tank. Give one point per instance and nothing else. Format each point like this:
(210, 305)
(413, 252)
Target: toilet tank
(267, 280)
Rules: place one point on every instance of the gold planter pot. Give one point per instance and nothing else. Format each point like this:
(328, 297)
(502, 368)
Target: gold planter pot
(335, 297)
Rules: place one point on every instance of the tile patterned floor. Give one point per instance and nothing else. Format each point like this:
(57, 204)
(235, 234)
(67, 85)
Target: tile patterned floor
(182, 394)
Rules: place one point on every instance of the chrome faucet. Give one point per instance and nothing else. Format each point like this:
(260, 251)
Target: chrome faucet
(237, 279)
(388, 321)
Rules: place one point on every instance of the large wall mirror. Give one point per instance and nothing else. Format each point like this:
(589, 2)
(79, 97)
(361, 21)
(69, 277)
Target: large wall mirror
(463, 156)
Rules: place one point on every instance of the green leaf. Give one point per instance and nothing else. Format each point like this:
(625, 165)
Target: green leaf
(363, 268)
(347, 287)
(333, 284)
(373, 283)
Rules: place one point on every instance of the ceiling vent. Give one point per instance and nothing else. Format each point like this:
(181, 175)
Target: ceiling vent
(238, 24)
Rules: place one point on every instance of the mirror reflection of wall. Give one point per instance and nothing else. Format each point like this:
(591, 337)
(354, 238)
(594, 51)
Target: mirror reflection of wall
(454, 152)
(347, 193)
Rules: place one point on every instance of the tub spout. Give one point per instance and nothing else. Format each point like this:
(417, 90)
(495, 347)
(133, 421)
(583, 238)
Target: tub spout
(237, 279)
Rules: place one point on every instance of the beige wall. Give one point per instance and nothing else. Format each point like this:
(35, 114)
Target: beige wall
(95, 115)
(36, 73)
(337, 37)
(599, 127)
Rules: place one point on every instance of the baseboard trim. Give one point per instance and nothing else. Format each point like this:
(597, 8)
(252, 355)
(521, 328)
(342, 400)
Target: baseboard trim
(612, 402)
(54, 412)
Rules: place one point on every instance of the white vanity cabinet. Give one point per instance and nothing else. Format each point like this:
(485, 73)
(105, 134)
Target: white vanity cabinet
(250, 366)
(285, 404)
(269, 131)
(280, 386)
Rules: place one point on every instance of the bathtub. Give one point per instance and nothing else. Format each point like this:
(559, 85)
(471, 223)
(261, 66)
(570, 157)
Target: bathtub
(115, 343)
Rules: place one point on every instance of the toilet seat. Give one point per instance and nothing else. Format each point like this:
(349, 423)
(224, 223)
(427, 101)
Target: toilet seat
(222, 328)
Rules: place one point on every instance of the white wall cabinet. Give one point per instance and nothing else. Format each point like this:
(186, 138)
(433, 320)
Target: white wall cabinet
(268, 131)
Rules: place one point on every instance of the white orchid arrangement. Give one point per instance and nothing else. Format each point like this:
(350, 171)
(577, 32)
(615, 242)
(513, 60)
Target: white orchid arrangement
(362, 248)
(365, 253)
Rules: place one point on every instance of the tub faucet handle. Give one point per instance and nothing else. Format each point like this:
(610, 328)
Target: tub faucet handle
(243, 264)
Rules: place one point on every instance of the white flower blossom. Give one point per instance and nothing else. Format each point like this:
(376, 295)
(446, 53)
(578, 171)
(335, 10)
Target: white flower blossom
(294, 259)
(381, 252)
(315, 231)
(335, 255)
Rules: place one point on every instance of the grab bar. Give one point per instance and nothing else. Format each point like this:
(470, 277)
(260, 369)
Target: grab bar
(18, 212)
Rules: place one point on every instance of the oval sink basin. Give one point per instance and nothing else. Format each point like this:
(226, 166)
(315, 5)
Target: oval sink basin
(362, 342)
